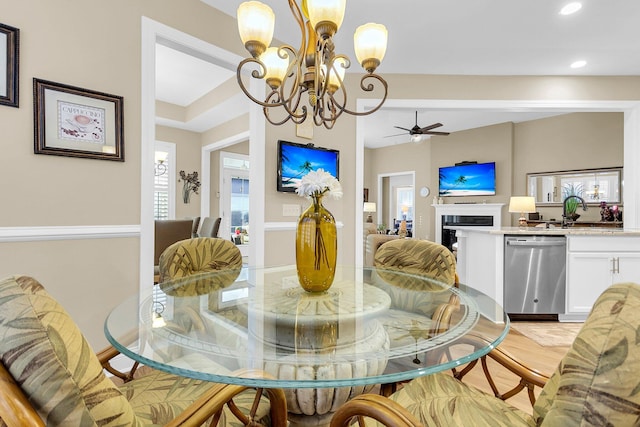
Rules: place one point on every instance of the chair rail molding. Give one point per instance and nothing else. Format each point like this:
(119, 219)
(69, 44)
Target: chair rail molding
(76, 232)
(289, 226)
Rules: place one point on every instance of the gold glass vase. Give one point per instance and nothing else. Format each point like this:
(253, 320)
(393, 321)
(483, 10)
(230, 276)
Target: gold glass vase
(316, 247)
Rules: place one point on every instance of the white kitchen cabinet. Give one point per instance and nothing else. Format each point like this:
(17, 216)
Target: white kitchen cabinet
(595, 263)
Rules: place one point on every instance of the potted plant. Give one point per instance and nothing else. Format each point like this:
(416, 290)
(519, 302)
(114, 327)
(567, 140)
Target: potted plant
(571, 205)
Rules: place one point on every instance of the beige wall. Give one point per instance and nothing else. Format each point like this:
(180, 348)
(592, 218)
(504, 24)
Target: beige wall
(188, 153)
(95, 47)
(342, 138)
(568, 142)
(88, 277)
(40, 190)
(487, 144)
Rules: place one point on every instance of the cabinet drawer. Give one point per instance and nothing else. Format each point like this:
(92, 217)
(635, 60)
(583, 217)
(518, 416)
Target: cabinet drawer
(603, 243)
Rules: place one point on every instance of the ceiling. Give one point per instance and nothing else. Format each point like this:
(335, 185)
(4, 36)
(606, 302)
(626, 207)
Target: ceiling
(463, 37)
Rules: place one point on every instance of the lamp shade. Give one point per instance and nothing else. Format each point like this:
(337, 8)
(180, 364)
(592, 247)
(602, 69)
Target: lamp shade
(336, 74)
(276, 66)
(370, 44)
(369, 207)
(326, 10)
(522, 204)
(256, 21)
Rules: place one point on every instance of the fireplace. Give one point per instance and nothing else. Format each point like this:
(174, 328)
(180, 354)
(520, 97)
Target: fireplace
(462, 215)
(451, 222)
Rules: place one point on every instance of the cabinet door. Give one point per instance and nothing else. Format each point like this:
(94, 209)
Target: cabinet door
(627, 268)
(589, 274)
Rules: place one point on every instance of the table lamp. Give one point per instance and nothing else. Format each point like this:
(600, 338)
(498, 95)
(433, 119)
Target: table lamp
(522, 205)
(369, 208)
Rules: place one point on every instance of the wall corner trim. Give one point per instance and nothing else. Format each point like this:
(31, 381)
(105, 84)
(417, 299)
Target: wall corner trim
(77, 232)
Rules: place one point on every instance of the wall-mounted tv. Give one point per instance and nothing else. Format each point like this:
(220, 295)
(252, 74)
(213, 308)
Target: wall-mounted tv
(296, 160)
(468, 179)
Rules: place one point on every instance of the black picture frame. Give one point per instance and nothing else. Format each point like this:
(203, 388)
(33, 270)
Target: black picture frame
(74, 122)
(9, 82)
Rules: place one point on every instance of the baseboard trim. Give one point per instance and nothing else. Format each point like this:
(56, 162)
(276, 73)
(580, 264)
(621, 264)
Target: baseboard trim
(572, 317)
(78, 232)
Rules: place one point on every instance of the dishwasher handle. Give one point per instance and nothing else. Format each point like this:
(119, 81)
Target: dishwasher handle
(535, 244)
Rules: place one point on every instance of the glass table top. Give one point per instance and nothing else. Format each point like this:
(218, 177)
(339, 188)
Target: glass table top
(372, 326)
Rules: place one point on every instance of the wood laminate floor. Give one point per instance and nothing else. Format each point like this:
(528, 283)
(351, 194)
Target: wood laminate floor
(542, 358)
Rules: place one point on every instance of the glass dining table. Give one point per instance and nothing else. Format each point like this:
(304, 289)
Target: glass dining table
(372, 327)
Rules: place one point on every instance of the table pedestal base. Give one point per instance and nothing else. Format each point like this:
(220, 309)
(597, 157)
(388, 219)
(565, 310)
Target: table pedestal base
(296, 420)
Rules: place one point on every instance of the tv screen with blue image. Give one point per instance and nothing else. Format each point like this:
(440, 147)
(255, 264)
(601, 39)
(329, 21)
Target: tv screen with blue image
(296, 160)
(470, 179)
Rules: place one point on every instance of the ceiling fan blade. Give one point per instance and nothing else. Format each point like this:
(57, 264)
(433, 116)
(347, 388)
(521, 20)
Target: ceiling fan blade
(399, 134)
(435, 133)
(398, 127)
(427, 128)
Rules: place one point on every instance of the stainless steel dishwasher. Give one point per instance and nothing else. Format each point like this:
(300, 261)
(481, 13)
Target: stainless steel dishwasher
(534, 275)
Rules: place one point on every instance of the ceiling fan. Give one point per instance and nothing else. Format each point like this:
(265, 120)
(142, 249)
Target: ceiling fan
(416, 132)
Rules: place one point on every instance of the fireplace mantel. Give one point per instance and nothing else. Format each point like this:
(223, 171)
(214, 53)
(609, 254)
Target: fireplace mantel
(480, 209)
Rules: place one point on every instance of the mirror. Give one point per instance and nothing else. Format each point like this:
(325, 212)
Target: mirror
(593, 185)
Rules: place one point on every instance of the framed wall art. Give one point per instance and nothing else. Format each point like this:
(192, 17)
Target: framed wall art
(9, 48)
(74, 122)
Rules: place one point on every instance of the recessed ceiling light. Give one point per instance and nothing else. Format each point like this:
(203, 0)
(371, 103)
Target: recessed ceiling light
(578, 64)
(571, 8)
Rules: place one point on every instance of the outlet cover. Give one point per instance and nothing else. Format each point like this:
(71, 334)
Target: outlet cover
(291, 210)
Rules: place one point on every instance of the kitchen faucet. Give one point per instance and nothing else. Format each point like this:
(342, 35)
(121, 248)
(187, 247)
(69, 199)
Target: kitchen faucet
(564, 208)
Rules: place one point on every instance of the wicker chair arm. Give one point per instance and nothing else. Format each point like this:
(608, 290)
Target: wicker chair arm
(529, 378)
(525, 372)
(213, 401)
(106, 354)
(379, 408)
(15, 408)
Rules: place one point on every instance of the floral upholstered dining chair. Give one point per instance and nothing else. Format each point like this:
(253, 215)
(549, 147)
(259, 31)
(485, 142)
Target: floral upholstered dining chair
(196, 257)
(595, 384)
(420, 308)
(50, 376)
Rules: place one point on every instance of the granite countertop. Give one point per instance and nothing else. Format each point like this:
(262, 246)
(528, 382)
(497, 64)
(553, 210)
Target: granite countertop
(573, 231)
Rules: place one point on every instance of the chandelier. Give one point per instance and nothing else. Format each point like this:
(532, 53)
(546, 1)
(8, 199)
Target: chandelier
(314, 69)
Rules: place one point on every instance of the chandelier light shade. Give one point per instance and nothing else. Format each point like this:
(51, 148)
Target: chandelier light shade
(308, 82)
(336, 74)
(326, 13)
(255, 23)
(370, 43)
(276, 66)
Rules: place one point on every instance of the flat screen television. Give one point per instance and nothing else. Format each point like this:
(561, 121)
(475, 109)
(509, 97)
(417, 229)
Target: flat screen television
(296, 160)
(468, 179)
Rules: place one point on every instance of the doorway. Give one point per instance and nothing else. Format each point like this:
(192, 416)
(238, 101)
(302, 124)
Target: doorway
(152, 33)
(396, 195)
(234, 200)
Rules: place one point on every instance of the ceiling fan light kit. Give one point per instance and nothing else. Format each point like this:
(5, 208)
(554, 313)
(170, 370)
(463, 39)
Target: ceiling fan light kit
(314, 69)
(417, 133)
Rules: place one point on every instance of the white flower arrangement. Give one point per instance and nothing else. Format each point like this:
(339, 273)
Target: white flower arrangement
(318, 183)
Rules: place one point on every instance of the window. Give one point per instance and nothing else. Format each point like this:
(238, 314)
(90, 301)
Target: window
(164, 181)
(404, 203)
